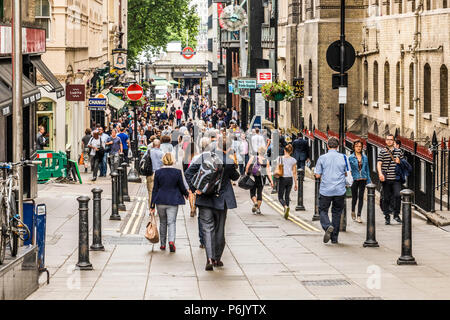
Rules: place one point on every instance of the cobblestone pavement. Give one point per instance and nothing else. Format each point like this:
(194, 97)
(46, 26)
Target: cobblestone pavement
(266, 256)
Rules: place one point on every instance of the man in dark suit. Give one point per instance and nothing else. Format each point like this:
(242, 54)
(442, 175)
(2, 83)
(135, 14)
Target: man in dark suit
(213, 208)
(301, 151)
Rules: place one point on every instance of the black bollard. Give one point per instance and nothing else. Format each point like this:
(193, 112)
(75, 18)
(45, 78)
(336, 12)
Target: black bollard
(300, 177)
(83, 234)
(115, 198)
(370, 237)
(125, 195)
(121, 204)
(316, 215)
(406, 257)
(97, 230)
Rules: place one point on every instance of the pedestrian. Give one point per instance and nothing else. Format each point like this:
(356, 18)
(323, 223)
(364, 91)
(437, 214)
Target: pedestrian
(166, 145)
(84, 146)
(41, 141)
(244, 153)
(178, 115)
(257, 141)
(213, 208)
(258, 166)
(287, 178)
(359, 165)
(125, 143)
(115, 149)
(142, 139)
(104, 161)
(155, 155)
(167, 194)
(301, 151)
(97, 153)
(186, 106)
(388, 158)
(331, 169)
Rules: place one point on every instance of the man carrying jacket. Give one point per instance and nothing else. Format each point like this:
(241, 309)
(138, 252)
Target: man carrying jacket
(213, 208)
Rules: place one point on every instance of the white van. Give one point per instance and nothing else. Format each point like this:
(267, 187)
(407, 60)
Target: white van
(161, 92)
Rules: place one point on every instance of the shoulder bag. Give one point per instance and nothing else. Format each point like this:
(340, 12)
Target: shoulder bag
(151, 232)
(279, 171)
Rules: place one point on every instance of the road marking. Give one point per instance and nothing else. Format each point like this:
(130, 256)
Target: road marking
(138, 219)
(125, 231)
(278, 208)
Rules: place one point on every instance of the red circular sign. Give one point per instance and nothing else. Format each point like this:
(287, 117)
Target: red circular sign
(135, 92)
(188, 53)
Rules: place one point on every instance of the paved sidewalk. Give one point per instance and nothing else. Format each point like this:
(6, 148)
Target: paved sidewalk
(266, 256)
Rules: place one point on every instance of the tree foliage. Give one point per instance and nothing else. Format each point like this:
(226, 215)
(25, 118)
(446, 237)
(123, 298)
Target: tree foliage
(152, 24)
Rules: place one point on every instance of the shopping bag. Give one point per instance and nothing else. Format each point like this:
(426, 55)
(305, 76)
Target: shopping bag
(246, 182)
(81, 160)
(151, 233)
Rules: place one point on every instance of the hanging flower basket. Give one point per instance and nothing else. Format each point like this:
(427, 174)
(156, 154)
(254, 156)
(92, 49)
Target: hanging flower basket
(275, 91)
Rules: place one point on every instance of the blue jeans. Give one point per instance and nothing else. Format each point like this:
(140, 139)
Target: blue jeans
(103, 164)
(337, 208)
(167, 222)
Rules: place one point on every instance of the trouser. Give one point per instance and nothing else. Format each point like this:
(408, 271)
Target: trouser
(242, 168)
(150, 189)
(358, 188)
(337, 208)
(200, 234)
(167, 222)
(213, 230)
(178, 122)
(104, 164)
(94, 165)
(301, 164)
(114, 162)
(125, 155)
(257, 189)
(193, 114)
(186, 115)
(391, 197)
(284, 190)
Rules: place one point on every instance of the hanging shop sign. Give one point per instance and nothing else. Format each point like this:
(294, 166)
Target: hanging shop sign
(264, 75)
(188, 53)
(97, 104)
(120, 59)
(299, 87)
(75, 92)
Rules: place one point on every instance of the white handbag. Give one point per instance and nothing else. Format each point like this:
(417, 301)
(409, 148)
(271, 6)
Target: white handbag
(348, 173)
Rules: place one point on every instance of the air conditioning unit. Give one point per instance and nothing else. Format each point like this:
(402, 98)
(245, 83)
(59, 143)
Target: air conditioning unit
(375, 104)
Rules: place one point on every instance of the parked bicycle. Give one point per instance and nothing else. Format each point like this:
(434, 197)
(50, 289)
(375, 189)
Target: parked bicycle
(12, 227)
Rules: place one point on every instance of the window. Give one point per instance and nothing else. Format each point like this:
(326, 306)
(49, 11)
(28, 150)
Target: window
(397, 84)
(386, 83)
(400, 6)
(366, 81)
(310, 79)
(375, 81)
(388, 7)
(443, 88)
(423, 186)
(42, 15)
(411, 86)
(386, 130)
(375, 128)
(413, 5)
(428, 7)
(426, 88)
(444, 4)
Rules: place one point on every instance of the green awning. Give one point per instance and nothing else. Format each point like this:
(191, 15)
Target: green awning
(160, 83)
(115, 102)
(174, 82)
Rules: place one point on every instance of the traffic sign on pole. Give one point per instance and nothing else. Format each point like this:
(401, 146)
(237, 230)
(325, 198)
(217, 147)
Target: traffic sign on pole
(135, 92)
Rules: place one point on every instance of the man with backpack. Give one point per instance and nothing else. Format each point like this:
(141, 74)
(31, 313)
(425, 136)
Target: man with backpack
(210, 176)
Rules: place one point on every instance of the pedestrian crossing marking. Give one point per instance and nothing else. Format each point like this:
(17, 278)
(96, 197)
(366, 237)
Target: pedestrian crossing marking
(139, 217)
(127, 227)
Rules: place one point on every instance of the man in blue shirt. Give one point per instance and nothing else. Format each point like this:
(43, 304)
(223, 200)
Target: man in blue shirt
(125, 143)
(331, 168)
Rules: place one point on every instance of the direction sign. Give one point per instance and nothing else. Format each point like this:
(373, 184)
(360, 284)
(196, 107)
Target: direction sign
(247, 84)
(135, 92)
(334, 56)
(264, 75)
(299, 87)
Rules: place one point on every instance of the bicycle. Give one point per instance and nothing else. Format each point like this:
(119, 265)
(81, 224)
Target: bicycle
(12, 227)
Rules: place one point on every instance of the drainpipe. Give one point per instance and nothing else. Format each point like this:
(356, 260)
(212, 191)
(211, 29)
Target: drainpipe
(402, 92)
(416, 69)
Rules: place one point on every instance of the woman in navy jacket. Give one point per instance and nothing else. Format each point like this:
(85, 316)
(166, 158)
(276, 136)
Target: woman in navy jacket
(167, 195)
(359, 165)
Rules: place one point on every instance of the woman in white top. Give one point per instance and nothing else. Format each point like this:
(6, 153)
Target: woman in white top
(97, 152)
(288, 178)
(166, 145)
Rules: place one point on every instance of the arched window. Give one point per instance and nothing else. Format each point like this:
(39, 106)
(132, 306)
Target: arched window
(397, 84)
(428, 7)
(388, 7)
(375, 128)
(386, 83)
(310, 123)
(375, 81)
(426, 88)
(443, 88)
(386, 130)
(42, 15)
(310, 75)
(400, 6)
(444, 4)
(366, 81)
(413, 5)
(411, 86)
(365, 127)
(300, 71)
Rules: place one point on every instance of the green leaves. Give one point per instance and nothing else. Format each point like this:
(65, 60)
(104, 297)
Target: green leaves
(154, 23)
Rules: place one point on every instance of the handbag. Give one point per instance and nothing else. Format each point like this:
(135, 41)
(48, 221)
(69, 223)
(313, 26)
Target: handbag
(246, 182)
(279, 171)
(151, 232)
(348, 173)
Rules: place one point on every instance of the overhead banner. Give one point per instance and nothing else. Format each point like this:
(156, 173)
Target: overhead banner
(219, 13)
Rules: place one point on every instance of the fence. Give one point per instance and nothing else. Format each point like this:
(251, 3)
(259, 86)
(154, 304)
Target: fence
(431, 166)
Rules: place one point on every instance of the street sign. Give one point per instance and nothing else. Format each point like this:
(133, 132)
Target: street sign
(334, 55)
(97, 103)
(247, 84)
(135, 92)
(75, 92)
(264, 75)
(188, 53)
(260, 105)
(299, 87)
(230, 87)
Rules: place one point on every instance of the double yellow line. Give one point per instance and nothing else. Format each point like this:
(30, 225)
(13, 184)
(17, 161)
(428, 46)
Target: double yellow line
(278, 208)
(139, 207)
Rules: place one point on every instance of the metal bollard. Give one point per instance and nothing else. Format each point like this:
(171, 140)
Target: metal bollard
(370, 237)
(121, 204)
(125, 195)
(406, 257)
(301, 177)
(83, 234)
(97, 230)
(316, 215)
(115, 198)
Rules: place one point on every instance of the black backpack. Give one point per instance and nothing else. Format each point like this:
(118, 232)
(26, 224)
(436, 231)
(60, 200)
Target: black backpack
(145, 165)
(208, 179)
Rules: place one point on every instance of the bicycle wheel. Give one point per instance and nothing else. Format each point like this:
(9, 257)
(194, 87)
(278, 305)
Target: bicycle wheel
(3, 232)
(13, 235)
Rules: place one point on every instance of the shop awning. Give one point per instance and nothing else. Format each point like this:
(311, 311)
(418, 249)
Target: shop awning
(30, 92)
(114, 101)
(174, 82)
(160, 83)
(5, 100)
(48, 75)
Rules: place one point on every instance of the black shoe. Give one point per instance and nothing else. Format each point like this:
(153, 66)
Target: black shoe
(327, 235)
(387, 221)
(334, 241)
(218, 263)
(93, 179)
(202, 246)
(398, 219)
(209, 265)
(85, 170)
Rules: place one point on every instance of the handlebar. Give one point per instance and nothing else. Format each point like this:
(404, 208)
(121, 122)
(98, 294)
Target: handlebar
(9, 165)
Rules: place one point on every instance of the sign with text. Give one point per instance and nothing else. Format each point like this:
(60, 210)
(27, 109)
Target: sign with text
(75, 92)
(299, 87)
(264, 75)
(260, 105)
(247, 84)
(97, 103)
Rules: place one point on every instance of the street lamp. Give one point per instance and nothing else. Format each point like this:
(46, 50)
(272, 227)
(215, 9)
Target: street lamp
(133, 175)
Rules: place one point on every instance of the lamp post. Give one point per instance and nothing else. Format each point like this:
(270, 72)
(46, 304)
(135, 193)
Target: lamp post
(133, 176)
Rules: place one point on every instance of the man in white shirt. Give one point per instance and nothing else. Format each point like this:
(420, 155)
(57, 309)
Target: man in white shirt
(257, 141)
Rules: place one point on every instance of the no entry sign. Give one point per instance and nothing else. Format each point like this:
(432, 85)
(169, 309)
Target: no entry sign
(188, 53)
(135, 92)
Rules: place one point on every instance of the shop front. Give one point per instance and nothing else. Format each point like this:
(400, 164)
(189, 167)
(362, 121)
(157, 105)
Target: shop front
(190, 81)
